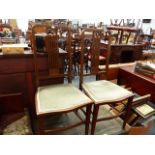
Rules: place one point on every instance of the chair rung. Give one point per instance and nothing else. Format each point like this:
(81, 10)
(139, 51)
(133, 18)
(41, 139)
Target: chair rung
(77, 114)
(50, 131)
(108, 118)
(84, 112)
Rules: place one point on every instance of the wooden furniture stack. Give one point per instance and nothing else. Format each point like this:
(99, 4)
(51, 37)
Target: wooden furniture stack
(124, 46)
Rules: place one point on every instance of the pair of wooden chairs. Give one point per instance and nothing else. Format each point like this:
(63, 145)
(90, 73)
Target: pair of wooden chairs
(61, 99)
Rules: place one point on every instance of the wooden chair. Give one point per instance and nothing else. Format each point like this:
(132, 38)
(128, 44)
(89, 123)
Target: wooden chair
(123, 34)
(104, 94)
(117, 22)
(57, 99)
(40, 32)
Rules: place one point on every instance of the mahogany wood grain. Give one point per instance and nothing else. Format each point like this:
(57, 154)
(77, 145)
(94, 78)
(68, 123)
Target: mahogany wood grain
(139, 83)
(17, 75)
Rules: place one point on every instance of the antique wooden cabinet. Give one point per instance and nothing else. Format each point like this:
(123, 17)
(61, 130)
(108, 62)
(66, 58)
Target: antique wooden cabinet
(17, 75)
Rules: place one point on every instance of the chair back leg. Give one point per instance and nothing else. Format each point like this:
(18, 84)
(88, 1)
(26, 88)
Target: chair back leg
(95, 114)
(88, 113)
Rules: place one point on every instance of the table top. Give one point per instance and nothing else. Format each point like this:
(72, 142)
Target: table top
(28, 53)
(14, 45)
(121, 45)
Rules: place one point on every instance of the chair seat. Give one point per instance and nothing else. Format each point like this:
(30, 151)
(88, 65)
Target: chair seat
(113, 126)
(105, 91)
(58, 98)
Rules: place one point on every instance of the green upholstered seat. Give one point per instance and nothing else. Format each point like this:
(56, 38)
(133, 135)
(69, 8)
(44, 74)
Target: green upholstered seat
(104, 91)
(59, 97)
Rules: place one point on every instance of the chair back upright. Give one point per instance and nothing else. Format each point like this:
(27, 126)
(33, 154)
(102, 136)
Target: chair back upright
(93, 53)
(51, 46)
(54, 67)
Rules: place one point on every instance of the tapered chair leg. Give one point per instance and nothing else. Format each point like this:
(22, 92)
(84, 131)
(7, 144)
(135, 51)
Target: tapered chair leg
(88, 113)
(40, 125)
(94, 120)
(128, 112)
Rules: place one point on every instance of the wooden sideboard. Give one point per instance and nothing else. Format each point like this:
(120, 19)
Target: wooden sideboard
(139, 83)
(124, 53)
(17, 75)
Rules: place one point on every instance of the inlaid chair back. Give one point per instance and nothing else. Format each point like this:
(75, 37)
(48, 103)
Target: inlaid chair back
(51, 49)
(42, 31)
(90, 44)
(51, 46)
(37, 29)
(93, 53)
(69, 50)
(65, 43)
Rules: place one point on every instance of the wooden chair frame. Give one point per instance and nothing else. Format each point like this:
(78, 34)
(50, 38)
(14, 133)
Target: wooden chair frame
(97, 34)
(125, 113)
(52, 39)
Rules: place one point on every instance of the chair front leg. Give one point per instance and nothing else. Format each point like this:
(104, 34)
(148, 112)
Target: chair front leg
(88, 113)
(40, 126)
(128, 111)
(94, 120)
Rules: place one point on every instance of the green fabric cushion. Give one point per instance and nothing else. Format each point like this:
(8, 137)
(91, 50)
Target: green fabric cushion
(105, 91)
(60, 97)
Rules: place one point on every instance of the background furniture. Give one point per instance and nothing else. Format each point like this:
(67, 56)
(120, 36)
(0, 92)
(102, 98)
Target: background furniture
(126, 53)
(124, 47)
(146, 40)
(123, 34)
(139, 83)
(17, 75)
